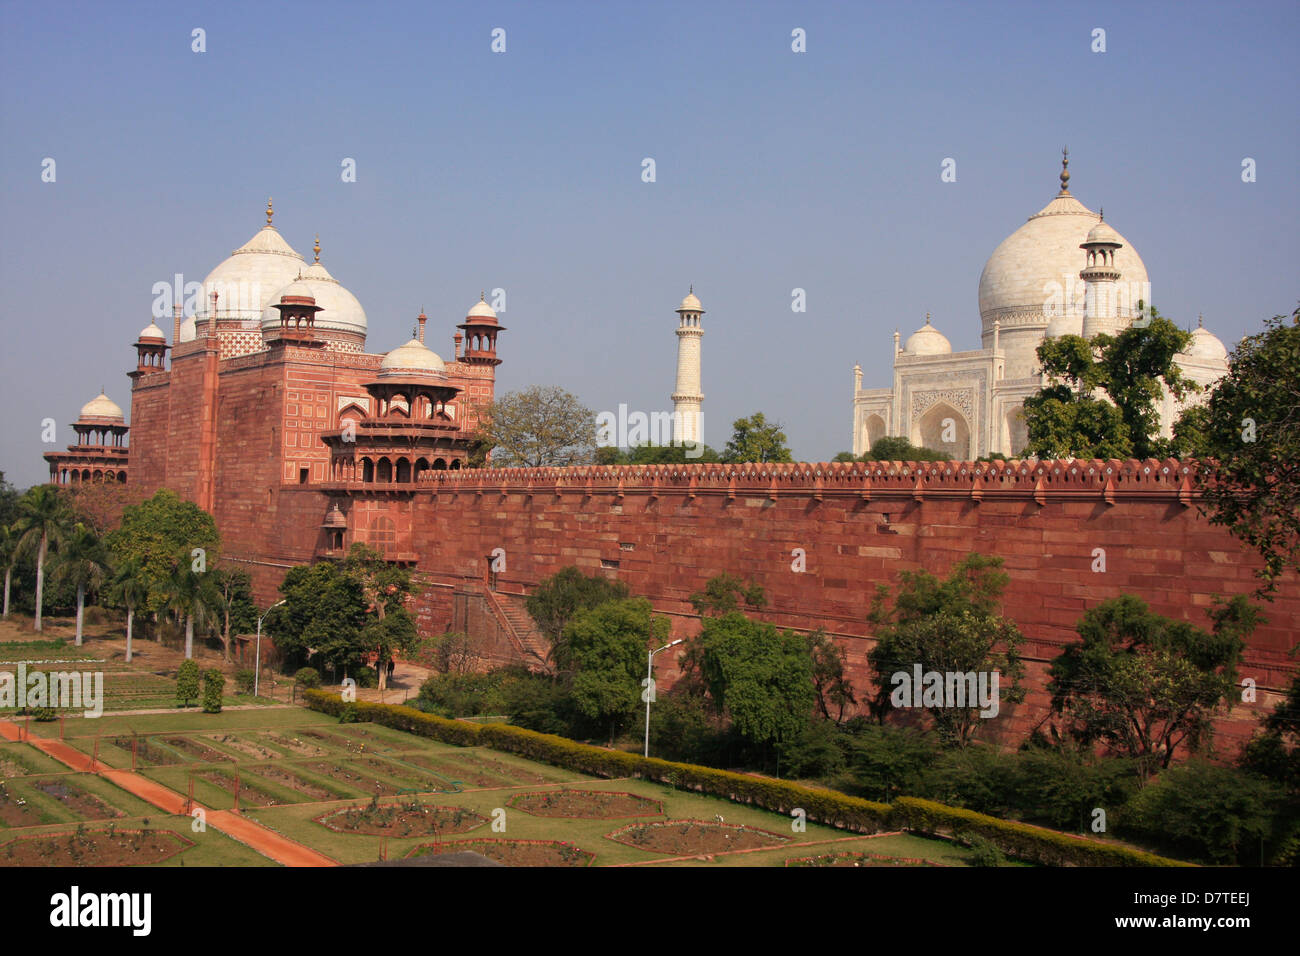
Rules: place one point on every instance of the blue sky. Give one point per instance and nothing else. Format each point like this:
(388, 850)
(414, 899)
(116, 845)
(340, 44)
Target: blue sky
(522, 171)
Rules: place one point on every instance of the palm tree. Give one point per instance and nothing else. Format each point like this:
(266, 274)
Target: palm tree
(8, 557)
(191, 594)
(83, 563)
(129, 590)
(44, 519)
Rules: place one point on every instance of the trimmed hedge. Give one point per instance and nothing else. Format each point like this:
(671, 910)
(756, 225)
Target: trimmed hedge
(834, 809)
(1021, 840)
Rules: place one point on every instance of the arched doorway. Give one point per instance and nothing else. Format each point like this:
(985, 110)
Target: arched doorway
(943, 429)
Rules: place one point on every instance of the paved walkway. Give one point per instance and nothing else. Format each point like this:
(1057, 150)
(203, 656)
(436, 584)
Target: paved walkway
(274, 845)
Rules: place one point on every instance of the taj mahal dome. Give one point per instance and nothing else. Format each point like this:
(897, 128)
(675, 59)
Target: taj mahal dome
(1066, 271)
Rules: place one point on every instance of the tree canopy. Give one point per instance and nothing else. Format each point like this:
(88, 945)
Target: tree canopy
(156, 533)
(540, 426)
(754, 439)
(1104, 396)
(561, 597)
(1250, 427)
(1147, 685)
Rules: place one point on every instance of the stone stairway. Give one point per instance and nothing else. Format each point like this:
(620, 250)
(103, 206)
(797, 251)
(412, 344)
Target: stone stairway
(529, 637)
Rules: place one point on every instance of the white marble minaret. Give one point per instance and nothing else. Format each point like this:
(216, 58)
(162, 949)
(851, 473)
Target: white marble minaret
(1101, 278)
(687, 396)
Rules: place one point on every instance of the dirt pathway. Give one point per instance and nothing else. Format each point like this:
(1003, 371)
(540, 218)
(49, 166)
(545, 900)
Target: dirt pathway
(262, 839)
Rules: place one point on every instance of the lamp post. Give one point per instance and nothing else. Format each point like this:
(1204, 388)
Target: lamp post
(649, 687)
(257, 666)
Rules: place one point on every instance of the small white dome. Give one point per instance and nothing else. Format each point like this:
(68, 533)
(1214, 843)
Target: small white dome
(151, 331)
(481, 310)
(1102, 232)
(101, 406)
(412, 358)
(927, 340)
(339, 309)
(1206, 347)
(690, 304)
(248, 281)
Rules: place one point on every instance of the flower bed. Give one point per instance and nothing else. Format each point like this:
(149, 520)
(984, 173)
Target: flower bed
(690, 837)
(586, 804)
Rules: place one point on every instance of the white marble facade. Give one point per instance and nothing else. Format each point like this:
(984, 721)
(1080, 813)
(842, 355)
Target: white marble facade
(1064, 271)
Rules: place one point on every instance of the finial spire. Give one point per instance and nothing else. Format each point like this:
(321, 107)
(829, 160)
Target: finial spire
(1200, 321)
(415, 331)
(1065, 170)
(927, 318)
(482, 296)
(1101, 214)
(692, 289)
(269, 211)
(316, 248)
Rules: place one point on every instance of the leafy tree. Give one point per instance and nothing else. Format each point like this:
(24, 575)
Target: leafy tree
(192, 595)
(386, 587)
(187, 682)
(726, 593)
(456, 653)
(541, 426)
(949, 626)
(81, 563)
(761, 677)
(213, 683)
(44, 520)
(845, 456)
(8, 558)
(830, 676)
(127, 589)
(753, 439)
(1250, 425)
(605, 648)
(323, 614)
(561, 597)
(898, 448)
(154, 532)
(1144, 684)
(1275, 753)
(1104, 396)
(232, 604)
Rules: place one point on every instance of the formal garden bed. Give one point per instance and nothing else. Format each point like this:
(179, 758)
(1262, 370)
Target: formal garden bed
(108, 847)
(349, 776)
(201, 752)
(514, 852)
(691, 837)
(83, 804)
(405, 819)
(148, 752)
(15, 811)
(295, 745)
(297, 783)
(250, 794)
(586, 804)
(249, 748)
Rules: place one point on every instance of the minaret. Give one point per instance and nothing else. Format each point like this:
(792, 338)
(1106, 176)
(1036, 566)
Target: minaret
(687, 396)
(1100, 277)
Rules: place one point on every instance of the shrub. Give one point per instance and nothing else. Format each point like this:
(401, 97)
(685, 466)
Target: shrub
(187, 683)
(245, 679)
(364, 676)
(985, 853)
(307, 677)
(213, 683)
(1211, 813)
(348, 715)
(43, 714)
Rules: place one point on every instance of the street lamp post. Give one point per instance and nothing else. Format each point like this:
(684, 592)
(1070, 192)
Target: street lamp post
(257, 666)
(649, 687)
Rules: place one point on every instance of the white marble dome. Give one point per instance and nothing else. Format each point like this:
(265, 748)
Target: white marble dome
(927, 340)
(413, 358)
(101, 407)
(1045, 254)
(248, 281)
(151, 331)
(1206, 347)
(1065, 323)
(1102, 232)
(481, 310)
(340, 309)
(690, 304)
